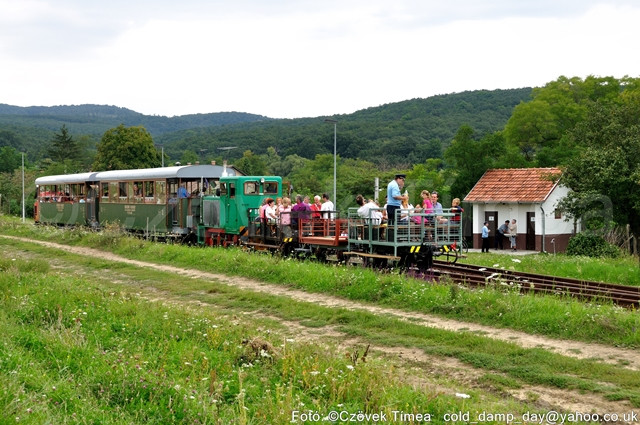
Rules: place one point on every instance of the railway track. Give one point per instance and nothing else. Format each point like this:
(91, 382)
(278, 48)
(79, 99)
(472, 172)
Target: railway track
(476, 276)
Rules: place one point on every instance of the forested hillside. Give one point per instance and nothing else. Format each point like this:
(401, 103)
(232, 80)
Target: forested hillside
(402, 132)
(29, 128)
(395, 134)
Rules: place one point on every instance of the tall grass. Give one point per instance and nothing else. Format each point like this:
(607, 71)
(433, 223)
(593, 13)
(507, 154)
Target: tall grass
(75, 351)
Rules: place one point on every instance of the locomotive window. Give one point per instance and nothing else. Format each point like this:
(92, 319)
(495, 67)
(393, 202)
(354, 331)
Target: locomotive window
(232, 190)
(251, 188)
(271, 188)
(223, 189)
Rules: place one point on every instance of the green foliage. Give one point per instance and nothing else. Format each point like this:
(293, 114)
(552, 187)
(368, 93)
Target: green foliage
(469, 158)
(124, 148)
(538, 128)
(608, 167)
(251, 164)
(64, 147)
(10, 159)
(188, 157)
(591, 245)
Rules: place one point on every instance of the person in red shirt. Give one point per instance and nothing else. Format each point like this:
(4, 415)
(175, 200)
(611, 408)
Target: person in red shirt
(316, 207)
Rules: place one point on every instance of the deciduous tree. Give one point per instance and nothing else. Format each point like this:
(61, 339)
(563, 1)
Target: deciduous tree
(124, 148)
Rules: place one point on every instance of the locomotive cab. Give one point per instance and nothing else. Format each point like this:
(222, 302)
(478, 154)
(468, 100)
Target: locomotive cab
(234, 212)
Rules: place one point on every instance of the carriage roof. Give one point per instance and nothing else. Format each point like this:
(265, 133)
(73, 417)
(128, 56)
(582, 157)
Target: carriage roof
(180, 172)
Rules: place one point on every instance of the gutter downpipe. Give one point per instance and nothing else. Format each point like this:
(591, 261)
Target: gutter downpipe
(543, 229)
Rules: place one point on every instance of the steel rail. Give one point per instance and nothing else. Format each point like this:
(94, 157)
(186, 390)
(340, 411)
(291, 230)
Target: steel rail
(478, 276)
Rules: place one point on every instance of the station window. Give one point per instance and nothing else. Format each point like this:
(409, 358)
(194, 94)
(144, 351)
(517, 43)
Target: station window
(558, 214)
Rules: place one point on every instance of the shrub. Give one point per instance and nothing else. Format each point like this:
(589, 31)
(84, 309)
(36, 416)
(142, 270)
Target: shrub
(591, 245)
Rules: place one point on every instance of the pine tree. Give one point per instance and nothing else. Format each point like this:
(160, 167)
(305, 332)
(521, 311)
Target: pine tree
(64, 147)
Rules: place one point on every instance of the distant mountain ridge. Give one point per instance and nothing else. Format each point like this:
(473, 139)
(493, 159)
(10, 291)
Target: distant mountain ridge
(404, 132)
(96, 119)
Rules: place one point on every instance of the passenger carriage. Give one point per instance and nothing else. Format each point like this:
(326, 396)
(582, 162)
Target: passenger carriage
(162, 202)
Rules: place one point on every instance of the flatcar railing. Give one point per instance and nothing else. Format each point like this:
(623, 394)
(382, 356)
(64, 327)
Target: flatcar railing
(322, 231)
(410, 228)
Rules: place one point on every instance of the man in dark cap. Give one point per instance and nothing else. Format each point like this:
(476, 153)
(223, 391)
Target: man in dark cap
(395, 197)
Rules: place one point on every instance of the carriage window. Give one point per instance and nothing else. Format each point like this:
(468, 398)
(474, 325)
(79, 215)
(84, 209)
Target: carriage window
(113, 192)
(77, 192)
(122, 189)
(271, 188)
(137, 189)
(148, 189)
(105, 190)
(251, 188)
(161, 192)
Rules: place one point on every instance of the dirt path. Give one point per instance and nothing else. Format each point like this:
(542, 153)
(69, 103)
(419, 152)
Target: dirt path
(420, 367)
(582, 350)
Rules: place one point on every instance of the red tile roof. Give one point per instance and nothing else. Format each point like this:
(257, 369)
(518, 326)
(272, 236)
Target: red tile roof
(515, 185)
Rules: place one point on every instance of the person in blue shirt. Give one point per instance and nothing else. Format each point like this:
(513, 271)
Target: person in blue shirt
(395, 197)
(485, 237)
(182, 192)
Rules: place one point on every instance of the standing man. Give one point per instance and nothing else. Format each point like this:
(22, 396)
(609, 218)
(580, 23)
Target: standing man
(485, 237)
(502, 231)
(395, 197)
(327, 207)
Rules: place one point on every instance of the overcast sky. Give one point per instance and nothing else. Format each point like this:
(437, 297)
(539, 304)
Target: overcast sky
(290, 59)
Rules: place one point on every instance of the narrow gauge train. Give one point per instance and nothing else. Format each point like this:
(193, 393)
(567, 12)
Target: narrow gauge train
(215, 206)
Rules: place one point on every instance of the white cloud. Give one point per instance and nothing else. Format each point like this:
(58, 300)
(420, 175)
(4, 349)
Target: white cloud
(292, 58)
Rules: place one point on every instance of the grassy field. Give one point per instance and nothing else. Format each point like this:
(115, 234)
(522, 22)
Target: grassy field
(553, 316)
(85, 351)
(83, 343)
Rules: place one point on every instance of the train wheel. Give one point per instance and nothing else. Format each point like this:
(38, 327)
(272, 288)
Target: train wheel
(450, 255)
(320, 254)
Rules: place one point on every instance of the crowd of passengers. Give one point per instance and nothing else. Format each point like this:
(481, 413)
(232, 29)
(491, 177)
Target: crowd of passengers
(281, 211)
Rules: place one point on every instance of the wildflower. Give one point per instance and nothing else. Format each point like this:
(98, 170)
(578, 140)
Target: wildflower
(515, 260)
(462, 395)
(350, 367)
